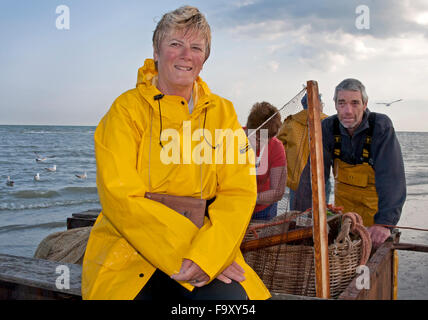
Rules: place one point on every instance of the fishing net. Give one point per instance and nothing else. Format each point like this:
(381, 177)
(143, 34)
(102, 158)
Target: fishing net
(64, 246)
(293, 106)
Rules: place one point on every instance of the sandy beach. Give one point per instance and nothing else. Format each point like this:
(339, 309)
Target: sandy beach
(413, 266)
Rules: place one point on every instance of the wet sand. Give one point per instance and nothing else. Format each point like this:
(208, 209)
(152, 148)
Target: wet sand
(413, 266)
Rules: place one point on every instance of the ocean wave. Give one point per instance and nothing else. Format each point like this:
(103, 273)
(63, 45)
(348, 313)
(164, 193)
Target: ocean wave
(30, 194)
(417, 194)
(75, 190)
(21, 206)
(58, 131)
(47, 194)
(47, 225)
(417, 183)
(41, 131)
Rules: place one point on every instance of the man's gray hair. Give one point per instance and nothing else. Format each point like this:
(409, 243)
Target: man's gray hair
(351, 85)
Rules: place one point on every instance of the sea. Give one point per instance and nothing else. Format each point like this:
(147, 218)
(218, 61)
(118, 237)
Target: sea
(33, 209)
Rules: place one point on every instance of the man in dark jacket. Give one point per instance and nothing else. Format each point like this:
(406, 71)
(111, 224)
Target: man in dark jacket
(363, 150)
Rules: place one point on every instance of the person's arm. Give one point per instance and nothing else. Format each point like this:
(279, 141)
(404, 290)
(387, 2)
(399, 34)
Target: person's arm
(276, 163)
(158, 233)
(389, 175)
(390, 181)
(217, 243)
(277, 180)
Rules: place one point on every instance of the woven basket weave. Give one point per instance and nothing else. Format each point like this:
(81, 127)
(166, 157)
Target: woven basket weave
(290, 269)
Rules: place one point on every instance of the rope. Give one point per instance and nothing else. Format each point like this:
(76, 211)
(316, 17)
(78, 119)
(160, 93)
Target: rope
(340, 209)
(398, 227)
(352, 222)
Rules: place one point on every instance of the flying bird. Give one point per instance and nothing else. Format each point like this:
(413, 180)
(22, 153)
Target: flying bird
(52, 169)
(81, 176)
(387, 104)
(9, 182)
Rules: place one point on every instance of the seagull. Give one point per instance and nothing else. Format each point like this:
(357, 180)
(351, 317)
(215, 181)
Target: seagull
(81, 176)
(387, 104)
(39, 158)
(9, 182)
(52, 169)
(37, 177)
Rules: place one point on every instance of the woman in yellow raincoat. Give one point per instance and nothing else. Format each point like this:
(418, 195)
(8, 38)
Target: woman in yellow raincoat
(171, 135)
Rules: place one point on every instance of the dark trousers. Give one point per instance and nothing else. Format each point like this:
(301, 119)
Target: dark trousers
(267, 213)
(162, 287)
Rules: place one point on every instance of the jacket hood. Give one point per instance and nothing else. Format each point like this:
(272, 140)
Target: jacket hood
(146, 73)
(302, 117)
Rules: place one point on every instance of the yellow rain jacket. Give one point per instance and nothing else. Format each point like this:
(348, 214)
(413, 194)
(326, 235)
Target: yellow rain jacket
(294, 135)
(133, 236)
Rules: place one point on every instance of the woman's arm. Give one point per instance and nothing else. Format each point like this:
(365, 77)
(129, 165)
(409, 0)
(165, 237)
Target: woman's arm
(158, 233)
(278, 181)
(217, 243)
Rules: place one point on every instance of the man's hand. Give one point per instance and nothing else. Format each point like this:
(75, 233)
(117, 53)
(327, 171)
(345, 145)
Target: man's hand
(191, 273)
(378, 234)
(232, 272)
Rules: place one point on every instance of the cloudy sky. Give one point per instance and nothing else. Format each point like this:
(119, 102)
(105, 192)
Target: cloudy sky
(261, 50)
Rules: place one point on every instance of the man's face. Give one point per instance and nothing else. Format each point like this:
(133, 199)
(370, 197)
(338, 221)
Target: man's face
(350, 109)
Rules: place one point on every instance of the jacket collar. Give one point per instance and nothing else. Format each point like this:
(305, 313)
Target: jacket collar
(146, 85)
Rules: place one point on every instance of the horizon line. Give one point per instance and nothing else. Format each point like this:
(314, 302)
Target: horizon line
(87, 125)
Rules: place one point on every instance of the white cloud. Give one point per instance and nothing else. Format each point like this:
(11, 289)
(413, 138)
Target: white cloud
(244, 3)
(273, 65)
(271, 30)
(328, 50)
(422, 18)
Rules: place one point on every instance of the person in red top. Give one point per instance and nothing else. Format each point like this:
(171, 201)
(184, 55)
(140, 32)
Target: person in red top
(271, 162)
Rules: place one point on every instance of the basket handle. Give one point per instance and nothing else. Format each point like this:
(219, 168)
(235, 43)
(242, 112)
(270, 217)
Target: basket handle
(352, 222)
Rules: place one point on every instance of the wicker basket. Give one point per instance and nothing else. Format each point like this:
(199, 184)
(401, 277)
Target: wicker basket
(290, 268)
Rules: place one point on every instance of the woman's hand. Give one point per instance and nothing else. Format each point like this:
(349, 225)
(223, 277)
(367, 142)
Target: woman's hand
(232, 272)
(191, 273)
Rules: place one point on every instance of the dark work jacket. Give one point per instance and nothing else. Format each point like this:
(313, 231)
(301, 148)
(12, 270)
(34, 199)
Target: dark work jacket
(387, 164)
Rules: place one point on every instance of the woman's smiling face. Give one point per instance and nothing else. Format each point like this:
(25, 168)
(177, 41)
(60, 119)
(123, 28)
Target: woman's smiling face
(180, 59)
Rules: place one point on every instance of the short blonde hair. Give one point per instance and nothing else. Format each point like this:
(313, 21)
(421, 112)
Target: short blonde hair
(186, 18)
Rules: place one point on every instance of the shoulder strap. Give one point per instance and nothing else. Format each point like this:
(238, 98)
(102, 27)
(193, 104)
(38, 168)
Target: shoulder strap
(337, 139)
(367, 156)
